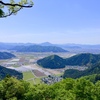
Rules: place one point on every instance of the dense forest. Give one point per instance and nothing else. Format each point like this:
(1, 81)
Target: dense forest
(38, 48)
(10, 72)
(83, 59)
(6, 55)
(67, 89)
(54, 61)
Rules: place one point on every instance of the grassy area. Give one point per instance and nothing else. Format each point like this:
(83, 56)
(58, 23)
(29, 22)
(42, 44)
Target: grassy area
(59, 74)
(27, 75)
(37, 81)
(31, 82)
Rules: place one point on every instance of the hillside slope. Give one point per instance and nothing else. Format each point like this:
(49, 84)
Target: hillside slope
(94, 69)
(5, 71)
(52, 62)
(55, 61)
(6, 55)
(83, 59)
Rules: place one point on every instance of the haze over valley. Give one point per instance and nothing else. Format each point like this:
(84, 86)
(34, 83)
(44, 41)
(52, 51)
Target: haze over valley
(44, 59)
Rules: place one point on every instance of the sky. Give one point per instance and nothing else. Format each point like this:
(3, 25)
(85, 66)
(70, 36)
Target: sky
(54, 21)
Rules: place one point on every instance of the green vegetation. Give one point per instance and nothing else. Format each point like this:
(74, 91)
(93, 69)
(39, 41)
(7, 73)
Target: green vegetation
(37, 81)
(72, 73)
(27, 75)
(86, 59)
(93, 78)
(38, 48)
(67, 89)
(10, 72)
(84, 88)
(94, 69)
(13, 7)
(6, 55)
(52, 62)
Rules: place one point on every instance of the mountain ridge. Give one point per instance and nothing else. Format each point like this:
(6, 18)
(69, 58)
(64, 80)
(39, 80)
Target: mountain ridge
(84, 59)
(5, 71)
(38, 48)
(6, 55)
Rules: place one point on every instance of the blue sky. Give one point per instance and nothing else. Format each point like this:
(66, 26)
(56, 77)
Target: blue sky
(55, 21)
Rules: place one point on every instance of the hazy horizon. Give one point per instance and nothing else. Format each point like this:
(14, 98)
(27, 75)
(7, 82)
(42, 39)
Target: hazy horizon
(47, 42)
(54, 21)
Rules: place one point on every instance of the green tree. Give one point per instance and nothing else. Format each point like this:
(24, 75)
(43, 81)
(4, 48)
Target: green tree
(13, 7)
(13, 89)
(83, 89)
(96, 92)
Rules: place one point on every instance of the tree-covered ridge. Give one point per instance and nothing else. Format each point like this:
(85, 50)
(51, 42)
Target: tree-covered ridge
(6, 55)
(10, 72)
(72, 73)
(38, 48)
(67, 89)
(83, 59)
(52, 62)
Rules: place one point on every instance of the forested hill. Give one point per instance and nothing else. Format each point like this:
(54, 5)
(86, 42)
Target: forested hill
(83, 59)
(6, 55)
(55, 61)
(52, 62)
(5, 71)
(38, 48)
(72, 73)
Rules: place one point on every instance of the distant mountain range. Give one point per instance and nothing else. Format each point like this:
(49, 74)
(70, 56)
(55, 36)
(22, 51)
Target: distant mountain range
(54, 61)
(6, 55)
(10, 72)
(76, 48)
(38, 48)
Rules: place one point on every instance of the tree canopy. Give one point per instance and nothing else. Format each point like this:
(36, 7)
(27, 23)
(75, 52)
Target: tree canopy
(12, 7)
(67, 89)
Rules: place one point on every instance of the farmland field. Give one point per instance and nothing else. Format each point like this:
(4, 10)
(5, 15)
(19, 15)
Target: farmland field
(37, 73)
(27, 75)
(26, 63)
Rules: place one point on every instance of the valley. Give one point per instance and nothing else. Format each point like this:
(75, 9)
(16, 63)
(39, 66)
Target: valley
(50, 67)
(26, 63)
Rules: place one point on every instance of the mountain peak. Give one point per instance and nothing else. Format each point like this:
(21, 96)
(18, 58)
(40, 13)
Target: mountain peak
(46, 44)
(52, 62)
